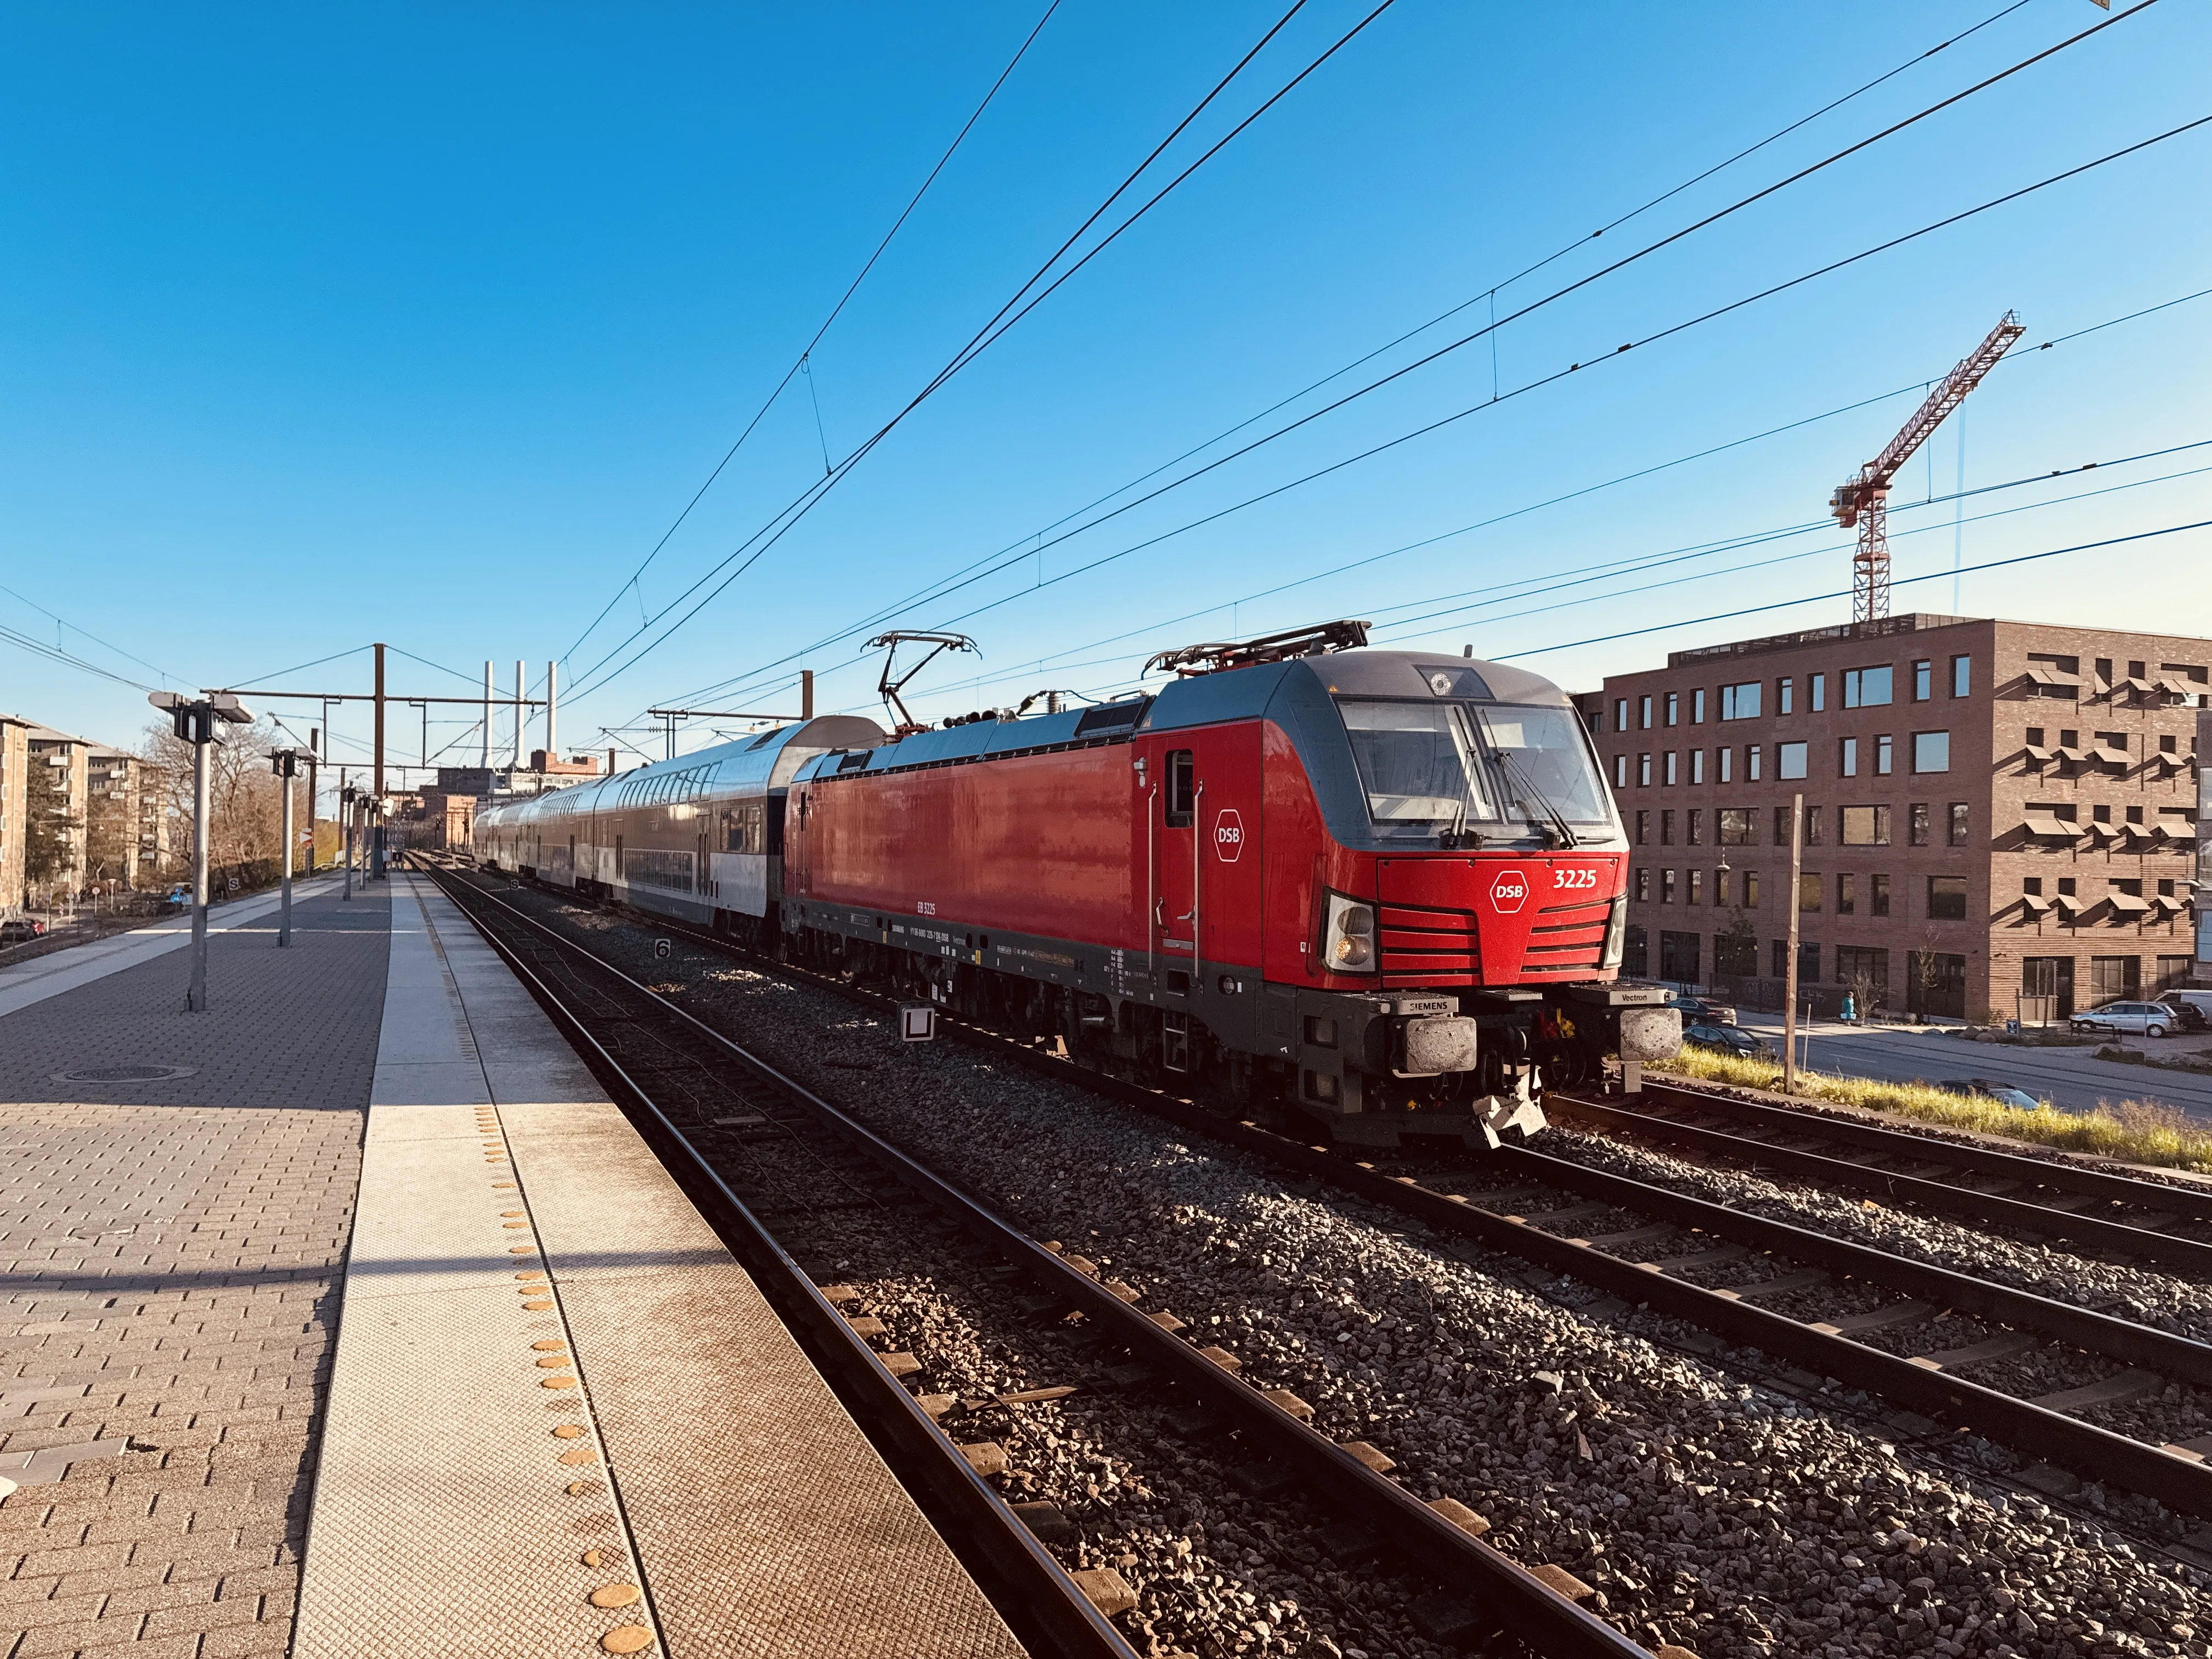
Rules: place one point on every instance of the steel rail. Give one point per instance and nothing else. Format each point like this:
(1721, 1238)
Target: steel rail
(2193, 1203)
(2176, 1477)
(1508, 1594)
(2087, 1230)
(1047, 1611)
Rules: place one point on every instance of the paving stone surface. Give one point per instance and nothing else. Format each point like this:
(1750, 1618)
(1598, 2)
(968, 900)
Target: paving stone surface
(170, 1255)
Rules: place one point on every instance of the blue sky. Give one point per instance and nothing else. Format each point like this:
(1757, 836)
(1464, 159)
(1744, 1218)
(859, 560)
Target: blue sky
(423, 325)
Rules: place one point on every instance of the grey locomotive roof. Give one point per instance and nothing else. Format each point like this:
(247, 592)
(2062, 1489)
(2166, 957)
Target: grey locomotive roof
(1290, 692)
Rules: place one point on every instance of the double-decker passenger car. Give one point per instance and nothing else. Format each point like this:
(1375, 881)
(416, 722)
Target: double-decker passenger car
(1383, 887)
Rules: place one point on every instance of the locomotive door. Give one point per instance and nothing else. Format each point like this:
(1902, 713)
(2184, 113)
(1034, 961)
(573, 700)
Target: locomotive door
(1170, 795)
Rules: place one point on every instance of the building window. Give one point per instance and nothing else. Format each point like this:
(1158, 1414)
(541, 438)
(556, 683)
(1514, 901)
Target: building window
(1734, 826)
(2171, 971)
(1865, 971)
(1946, 898)
(1674, 709)
(1923, 680)
(1697, 766)
(1885, 756)
(1788, 760)
(1778, 956)
(1782, 826)
(1785, 695)
(1916, 829)
(1636, 952)
(1751, 764)
(1734, 957)
(1697, 706)
(2114, 977)
(2066, 887)
(1808, 893)
(1866, 688)
(1671, 778)
(2165, 889)
(2034, 737)
(1866, 826)
(2100, 815)
(1811, 824)
(1751, 889)
(1697, 826)
(1620, 771)
(1847, 757)
(2032, 886)
(2165, 744)
(1962, 677)
(1816, 689)
(1727, 758)
(1643, 711)
(1741, 703)
(2104, 670)
(1931, 752)
(1666, 887)
(1846, 896)
(1620, 713)
(1666, 827)
(1643, 771)
(1877, 895)
(1721, 878)
(1678, 958)
(2131, 886)
(1642, 827)
(1643, 886)
(1697, 886)
(1958, 823)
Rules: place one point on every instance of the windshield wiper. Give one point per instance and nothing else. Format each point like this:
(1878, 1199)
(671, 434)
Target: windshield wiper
(1529, 795)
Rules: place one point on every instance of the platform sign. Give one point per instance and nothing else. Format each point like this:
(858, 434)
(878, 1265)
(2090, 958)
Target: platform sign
(918, 1021)
(662, 948)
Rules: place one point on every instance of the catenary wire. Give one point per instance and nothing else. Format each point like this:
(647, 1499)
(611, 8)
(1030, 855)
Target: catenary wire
(1023, 544)
(836, 310)
(1420, 363)
(2056, 340)
(754, 546)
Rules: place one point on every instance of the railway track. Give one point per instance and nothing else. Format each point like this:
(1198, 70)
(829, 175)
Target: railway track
(1955, 1350)
(2081, 1207)
(762, 1154)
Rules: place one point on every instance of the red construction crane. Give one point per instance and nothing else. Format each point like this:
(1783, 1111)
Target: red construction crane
(1863, 498)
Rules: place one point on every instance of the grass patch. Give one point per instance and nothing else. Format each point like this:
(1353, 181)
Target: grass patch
(2137, 1132)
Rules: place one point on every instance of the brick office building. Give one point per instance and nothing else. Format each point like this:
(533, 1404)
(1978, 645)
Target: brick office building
(1998, 816)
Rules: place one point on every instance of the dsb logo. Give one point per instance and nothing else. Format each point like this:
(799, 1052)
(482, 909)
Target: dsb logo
(1228, 835)
(1509, 892)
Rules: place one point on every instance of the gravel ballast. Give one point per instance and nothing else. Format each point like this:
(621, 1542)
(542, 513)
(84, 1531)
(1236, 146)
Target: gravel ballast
(1726, 1518)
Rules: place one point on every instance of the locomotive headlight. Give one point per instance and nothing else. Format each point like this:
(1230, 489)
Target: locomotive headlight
(1348, 941)
(1616, 933)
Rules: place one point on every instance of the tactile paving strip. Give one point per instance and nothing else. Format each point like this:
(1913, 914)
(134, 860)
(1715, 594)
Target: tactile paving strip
(768, 1526)
(463, 1503)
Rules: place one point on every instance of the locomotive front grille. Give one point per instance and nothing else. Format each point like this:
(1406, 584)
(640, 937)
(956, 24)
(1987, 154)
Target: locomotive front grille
(1570, 940)
(1424, 946)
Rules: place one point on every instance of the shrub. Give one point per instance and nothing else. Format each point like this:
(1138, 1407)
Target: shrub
(2137, 1132)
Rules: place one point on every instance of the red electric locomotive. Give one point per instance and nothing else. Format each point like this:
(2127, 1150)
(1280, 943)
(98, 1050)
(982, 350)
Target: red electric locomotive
(1385, 887)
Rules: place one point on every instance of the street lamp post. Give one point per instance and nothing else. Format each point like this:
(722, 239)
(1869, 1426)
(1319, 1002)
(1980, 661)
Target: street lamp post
(346, 797)
(285, 762)
(199, 722)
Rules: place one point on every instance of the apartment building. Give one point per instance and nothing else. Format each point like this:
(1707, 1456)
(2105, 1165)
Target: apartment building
(14, 777)
(1998, 817)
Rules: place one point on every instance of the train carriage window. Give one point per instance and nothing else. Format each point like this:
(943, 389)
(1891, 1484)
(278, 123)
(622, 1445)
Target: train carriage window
(1182, 788)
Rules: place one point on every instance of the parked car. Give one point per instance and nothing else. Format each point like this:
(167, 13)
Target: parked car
(2151, 1019)
(1701, 1010)
(2195, 1007)
(1726, 1039)
(17, 930)
(1988, 1088)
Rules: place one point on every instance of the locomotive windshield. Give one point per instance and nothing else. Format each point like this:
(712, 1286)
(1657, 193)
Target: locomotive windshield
(1426, 765)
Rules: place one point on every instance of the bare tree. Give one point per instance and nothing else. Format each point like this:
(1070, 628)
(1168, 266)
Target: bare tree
(246, 824)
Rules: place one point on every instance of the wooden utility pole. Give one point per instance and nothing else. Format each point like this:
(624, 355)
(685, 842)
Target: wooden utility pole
(1789, 969)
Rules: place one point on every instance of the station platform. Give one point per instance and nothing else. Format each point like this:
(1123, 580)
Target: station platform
(351, 1318)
